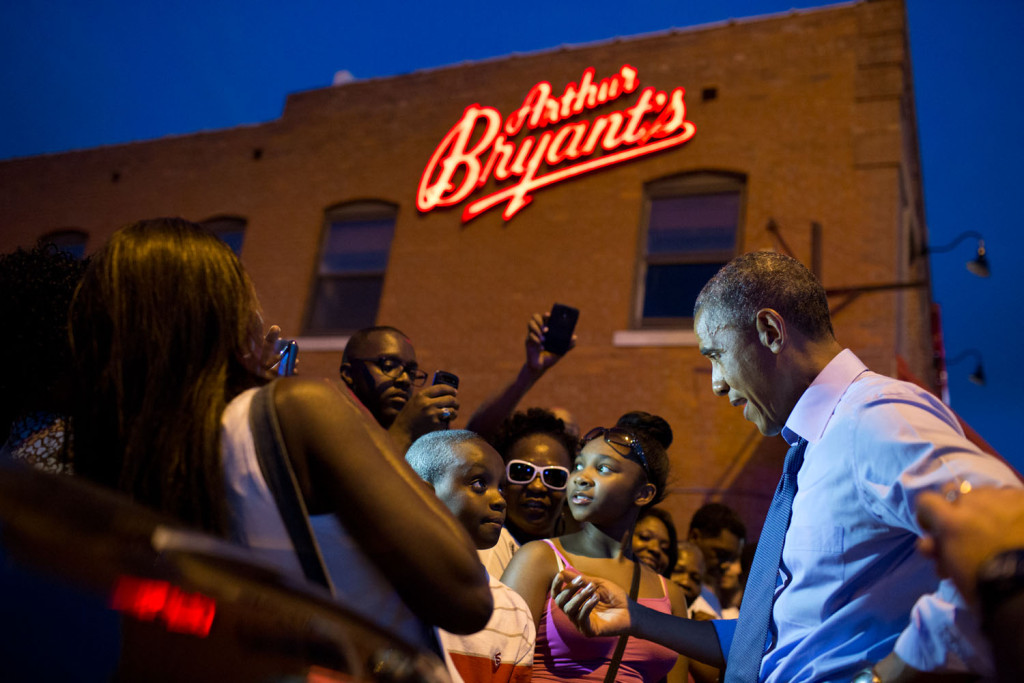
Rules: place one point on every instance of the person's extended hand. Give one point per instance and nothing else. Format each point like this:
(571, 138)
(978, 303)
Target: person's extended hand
(537, 358)
(964, 532)
(427, 410)
(597, 607)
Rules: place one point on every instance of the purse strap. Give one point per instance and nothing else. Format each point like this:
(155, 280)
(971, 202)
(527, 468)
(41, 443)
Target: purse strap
(620, 647)
(277, 471)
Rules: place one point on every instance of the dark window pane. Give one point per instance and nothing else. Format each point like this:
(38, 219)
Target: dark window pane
(358, 245)
(230, 230)
(345, 304)
(693, 223)
(233, 238)
(353, 259)
(671, 290)
(74, 250)
(71, 242)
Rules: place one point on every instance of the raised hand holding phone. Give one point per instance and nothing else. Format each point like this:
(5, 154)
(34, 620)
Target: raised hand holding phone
(546, 337)
(558, 333)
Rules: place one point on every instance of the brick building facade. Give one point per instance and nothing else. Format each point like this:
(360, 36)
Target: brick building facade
(800, 120)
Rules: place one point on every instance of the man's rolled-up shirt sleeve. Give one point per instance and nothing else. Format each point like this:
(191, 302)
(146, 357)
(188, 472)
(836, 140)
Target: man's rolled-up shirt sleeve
(944, 635)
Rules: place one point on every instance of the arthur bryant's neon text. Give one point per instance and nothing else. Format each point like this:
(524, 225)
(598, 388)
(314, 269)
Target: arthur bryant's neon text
(482, 145)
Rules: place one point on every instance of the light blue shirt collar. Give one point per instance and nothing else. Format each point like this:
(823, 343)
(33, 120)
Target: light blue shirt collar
(812, 412)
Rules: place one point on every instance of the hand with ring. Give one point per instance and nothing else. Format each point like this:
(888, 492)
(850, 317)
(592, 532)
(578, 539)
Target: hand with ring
(430, 408)
(961, 533)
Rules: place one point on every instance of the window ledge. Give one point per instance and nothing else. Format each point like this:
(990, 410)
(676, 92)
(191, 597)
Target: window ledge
(322, 343)
(654, 338)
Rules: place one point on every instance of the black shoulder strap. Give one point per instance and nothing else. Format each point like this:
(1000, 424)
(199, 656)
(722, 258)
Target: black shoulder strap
(620, 647)
(277, 471)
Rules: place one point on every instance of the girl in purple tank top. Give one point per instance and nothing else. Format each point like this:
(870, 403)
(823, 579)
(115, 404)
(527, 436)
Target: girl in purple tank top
(617, 473)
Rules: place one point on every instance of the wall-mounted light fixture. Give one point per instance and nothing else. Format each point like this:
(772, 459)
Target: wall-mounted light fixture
(978, 376)
(978, 265)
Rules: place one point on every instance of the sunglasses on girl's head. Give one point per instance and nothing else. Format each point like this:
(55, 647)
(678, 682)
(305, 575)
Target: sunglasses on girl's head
(522, 472)
(622, 442)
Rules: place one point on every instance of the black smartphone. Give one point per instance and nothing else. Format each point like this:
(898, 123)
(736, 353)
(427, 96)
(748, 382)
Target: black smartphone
(561, 323)
(449, 378)
(289, 351)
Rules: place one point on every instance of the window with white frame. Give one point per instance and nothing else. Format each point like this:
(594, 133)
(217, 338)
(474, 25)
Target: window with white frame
(690, 229)
(353, 259)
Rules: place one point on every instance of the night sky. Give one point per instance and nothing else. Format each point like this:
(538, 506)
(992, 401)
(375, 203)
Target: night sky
(82, 74)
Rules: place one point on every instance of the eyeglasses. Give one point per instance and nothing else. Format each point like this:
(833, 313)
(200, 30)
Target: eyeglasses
(522, 472)
(393, 368)
(622, 442)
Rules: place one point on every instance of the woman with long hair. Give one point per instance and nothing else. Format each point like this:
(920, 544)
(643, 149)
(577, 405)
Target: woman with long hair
(167, 335)
(617, 473)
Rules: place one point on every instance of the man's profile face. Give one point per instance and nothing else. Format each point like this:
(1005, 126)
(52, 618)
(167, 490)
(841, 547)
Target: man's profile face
(743, 369)
(382, 395)
(720, 551)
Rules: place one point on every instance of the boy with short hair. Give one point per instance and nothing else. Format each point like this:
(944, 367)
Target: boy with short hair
(466, 473)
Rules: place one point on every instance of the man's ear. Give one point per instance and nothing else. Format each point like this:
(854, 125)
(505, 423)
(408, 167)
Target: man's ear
(346, 374)
(771, 329)
(646, 494)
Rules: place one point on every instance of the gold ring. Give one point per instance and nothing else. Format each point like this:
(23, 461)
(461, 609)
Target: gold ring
(962, 489)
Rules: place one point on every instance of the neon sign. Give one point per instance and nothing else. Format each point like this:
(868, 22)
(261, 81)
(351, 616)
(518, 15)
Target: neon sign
(461, 165)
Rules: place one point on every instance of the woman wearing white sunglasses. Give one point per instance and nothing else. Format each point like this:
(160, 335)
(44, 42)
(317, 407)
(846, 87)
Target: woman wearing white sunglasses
(538, 453)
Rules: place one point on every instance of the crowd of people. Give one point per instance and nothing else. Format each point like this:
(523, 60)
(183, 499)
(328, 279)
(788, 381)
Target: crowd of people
(516, 548)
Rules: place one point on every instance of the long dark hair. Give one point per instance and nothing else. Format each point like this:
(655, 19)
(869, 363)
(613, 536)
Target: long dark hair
(165, 330)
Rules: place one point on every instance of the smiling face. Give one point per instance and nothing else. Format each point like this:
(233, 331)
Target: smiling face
(605, 487)
(743, 368)
(534, 509)
(383, 396)
(651, 543)
(472, 491)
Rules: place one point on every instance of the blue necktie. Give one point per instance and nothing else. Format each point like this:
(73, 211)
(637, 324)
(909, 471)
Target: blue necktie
(744, 662)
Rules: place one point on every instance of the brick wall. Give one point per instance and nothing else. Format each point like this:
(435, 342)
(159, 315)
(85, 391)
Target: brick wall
(815, 108)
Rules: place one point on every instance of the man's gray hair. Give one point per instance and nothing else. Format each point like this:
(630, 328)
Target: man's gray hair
(766, 279)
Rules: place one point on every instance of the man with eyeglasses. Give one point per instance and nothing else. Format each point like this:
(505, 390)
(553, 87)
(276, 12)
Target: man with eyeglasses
(379, 366)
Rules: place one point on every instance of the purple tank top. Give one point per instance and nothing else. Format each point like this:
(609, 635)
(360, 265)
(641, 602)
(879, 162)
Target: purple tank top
(563, 654)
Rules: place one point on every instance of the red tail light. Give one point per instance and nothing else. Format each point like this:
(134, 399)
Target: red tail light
(148, 600)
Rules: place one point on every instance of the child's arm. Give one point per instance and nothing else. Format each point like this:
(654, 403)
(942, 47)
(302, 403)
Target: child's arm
(530, 573)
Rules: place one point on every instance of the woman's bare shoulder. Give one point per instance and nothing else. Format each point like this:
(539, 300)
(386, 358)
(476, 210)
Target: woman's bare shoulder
(316, 399)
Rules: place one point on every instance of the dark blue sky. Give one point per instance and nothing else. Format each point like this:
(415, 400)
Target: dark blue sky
(81, 74)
